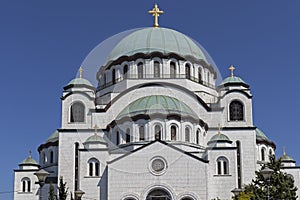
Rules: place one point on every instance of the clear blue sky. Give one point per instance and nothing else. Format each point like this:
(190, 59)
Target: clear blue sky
(42, 44)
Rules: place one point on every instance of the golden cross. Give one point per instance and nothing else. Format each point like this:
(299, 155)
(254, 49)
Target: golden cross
(30, 154)
(80, 72)
(96, 128)
(231, 68)
(284, 152)
(155, 13)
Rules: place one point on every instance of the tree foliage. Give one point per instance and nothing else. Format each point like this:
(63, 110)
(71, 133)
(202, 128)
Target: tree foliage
(281, 185)
(62, 190)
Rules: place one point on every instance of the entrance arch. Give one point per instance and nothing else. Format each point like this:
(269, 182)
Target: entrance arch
(159, 194)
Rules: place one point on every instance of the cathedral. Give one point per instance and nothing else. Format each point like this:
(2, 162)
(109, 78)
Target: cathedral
(157, 126)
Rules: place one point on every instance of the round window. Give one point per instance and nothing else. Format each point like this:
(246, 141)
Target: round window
(158, 165)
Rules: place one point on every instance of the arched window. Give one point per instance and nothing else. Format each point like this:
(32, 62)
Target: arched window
(51, 157)
(117, 138)
(158, 194)
(187, 134)
(94, 167)
(128, 135)
(113, 76)
(26, 184)
(187, 71)
(270, 152)
(77, 112)
(157, 132)
(263, 154)
(104, 78)
(125, 72)
(208, 78)
(140, 69)
(222, 166)
(199, 76)
(236, 111)
(142, 132)
(172, 70)
(198, 136)
(156, 69)
(173, 133)
(44, 158)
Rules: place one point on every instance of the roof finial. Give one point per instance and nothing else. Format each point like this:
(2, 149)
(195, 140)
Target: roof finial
(30, 156)
(80, 72)
(155, 13)
(96, 129)
(284, 151)
(231, 68)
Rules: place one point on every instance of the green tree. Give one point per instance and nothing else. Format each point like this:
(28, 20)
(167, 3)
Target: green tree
(281, 185)
(51, 192)
(62, 190)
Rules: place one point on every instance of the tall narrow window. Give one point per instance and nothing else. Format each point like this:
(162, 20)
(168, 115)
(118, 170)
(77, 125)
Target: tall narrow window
(125, 72)
(127, 135)
(187, 71)
(208, 78)
(157, 131)
(173, 133)
(187, 134)
(26, 185)
(172, 70)
(113, 76)
(142, 133)
(236, 111)
(94, 167)
(104, 78)
(140, 70)
(156, 69)
(239, 168)
(51, 157)
(117, 138)
(198, 136)
(199, 76)
(77, 112)
(263, 154)
(222, 166)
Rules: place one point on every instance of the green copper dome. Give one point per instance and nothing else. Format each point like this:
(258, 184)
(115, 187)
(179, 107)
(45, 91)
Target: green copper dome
(161, 40)
(53, 137)
(286, 158)
(29, 161)
(232, 79)
(261, 136)
(80, 81)
(157, 104)
(219, 138)
(95, 139)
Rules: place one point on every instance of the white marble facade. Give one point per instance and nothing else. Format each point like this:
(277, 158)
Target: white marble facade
(157, 126)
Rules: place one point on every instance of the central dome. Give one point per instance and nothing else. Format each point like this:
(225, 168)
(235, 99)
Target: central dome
(161, 40)
(157, 104)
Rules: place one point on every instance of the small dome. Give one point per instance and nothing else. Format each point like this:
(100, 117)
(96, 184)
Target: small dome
(80, 81)
(163, 40)
(53, 137)
(286, 159)
(262, 138)
(95, 139)
(29, 161)
(157, 104)
(219, 138)
(232, 79)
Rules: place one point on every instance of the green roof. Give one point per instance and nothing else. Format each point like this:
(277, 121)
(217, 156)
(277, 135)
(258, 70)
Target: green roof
(163, 40)
(261, 136)
(95, 139)
(29, 161)
(220, 138)
(232, 79)
(157, 104)
(53, 137)
(80, 81)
